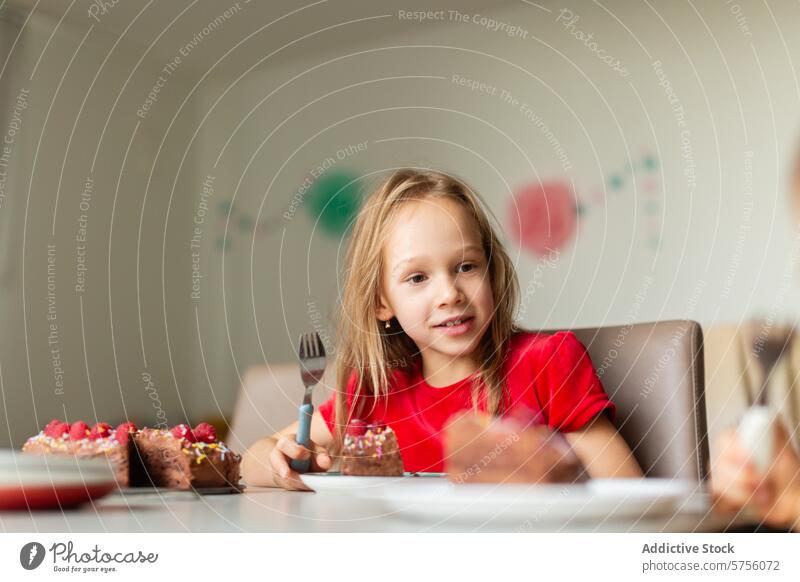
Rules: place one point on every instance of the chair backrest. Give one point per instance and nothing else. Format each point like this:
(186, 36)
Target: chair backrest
(268, 401)
(653, 372)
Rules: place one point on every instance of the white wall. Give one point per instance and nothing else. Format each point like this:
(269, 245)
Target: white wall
(364, 75)
(724, 245)
(102, 367)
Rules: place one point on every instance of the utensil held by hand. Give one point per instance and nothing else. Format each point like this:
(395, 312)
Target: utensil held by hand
(311, 353)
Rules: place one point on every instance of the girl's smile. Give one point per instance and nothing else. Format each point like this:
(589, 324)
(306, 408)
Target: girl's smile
(457, 325)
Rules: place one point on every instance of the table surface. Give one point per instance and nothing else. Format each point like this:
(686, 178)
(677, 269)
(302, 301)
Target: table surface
(276, 510)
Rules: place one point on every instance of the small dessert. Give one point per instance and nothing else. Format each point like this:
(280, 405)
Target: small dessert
(514, 449)
(78, 439)
(183, 458)
(371, 450)
(179, 458)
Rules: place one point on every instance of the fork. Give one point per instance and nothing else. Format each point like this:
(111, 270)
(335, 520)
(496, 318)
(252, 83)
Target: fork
(756, 426)
(312, 366)
(774, 346)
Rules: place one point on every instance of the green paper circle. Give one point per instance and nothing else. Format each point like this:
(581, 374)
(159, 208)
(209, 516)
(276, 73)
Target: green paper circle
(245, 223)
(224, 206)
(650, 163)
(615, 181)
(334, 201)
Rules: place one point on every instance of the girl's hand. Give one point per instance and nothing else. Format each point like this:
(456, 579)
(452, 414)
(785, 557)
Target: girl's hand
(736, 483)
(286, 449)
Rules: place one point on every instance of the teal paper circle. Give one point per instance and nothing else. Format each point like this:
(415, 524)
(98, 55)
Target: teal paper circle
(334, 200)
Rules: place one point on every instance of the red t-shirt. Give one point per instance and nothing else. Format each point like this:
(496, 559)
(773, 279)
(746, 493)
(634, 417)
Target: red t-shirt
(550, 374)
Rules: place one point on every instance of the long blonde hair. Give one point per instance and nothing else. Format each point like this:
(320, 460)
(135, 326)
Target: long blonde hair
(365, 346)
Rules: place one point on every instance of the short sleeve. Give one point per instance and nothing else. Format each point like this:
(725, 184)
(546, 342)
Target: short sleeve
(566, 385)
(328, 408)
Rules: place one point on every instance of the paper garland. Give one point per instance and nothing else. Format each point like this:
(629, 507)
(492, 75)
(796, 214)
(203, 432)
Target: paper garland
(332, 202)
(543, 215)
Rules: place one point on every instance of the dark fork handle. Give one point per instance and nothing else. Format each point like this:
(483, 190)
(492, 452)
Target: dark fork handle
(303, 438)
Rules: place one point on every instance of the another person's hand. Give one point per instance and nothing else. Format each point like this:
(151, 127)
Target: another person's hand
(287, 449)
(736, 483)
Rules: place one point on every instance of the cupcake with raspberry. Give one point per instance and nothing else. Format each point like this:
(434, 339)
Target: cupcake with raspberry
(371, 450)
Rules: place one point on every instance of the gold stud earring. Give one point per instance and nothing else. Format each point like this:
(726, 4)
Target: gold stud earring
(388, 325)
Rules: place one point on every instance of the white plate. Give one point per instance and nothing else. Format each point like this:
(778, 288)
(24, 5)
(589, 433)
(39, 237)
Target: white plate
(335, 483)
(18, 468)
(596, 500)
(29, 481)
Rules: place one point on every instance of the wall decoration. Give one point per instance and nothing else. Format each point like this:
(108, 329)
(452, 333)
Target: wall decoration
(619, 181)
(333, 202)
(639, 178)
(543, 216)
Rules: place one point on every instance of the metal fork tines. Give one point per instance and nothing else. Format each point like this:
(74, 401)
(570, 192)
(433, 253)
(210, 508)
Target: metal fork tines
(311, 352)
(769, 346)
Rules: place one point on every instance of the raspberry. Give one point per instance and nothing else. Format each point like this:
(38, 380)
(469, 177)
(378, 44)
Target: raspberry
(100, 431)
(205, 433)
(78, 431)
(184, 431)
(357, 427)
(377, 426)
(56, 429)
(123, 431)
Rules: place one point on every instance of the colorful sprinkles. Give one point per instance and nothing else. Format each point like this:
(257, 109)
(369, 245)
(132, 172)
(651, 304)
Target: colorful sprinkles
(63, 443)
(200, 450)
(370, 443)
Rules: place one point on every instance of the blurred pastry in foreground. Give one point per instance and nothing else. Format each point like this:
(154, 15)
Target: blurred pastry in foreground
(513, 449)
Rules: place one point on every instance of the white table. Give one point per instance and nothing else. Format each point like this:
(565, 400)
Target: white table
(276, 510)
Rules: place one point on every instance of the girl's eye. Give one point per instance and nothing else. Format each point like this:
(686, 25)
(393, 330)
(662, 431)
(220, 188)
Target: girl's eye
(416, 279)
(466, 267)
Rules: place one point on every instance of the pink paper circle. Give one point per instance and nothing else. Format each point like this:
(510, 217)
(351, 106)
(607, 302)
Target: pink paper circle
(543, 217)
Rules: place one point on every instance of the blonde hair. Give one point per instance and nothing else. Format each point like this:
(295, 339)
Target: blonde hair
(365, 346)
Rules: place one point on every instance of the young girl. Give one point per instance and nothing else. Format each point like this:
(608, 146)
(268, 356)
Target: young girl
(426, 330)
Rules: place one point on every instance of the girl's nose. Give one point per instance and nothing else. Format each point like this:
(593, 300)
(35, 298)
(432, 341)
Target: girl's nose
(451, 292)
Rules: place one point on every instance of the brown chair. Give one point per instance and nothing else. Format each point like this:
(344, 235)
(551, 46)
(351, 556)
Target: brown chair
(653, 372)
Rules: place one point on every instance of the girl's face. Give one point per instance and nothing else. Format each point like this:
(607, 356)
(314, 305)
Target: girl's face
(435, 272)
